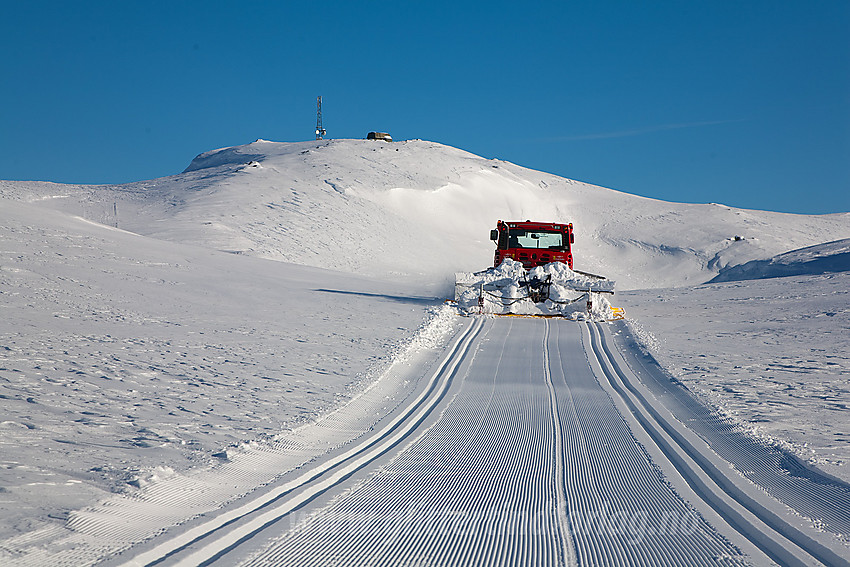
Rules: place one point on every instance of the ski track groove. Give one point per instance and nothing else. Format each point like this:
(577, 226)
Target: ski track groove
(530, 444)
(512, 455)
(788, 545)
(457, 548)
(819, 497)
(337, 469)
(591, 414)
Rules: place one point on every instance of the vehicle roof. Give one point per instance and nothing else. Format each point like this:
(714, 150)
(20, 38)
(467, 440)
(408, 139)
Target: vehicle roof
(534, 225)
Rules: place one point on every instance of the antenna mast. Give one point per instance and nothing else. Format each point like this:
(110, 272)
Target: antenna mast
(320, 132)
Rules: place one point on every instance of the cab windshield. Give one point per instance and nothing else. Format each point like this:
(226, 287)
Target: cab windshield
(535, 239)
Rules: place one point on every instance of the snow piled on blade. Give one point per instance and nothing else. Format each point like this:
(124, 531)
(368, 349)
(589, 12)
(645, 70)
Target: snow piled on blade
(553, 289)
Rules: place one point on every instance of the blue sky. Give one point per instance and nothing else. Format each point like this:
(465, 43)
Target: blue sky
(743, 103)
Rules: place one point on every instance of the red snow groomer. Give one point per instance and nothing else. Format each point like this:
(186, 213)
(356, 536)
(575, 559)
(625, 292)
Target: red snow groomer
(538, 281)
(533, 243)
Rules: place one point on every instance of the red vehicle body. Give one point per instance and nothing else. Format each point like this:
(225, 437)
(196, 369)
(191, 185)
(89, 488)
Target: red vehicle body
(533, 243)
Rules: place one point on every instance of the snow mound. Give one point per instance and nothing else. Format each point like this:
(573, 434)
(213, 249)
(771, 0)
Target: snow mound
(510, 289)
(236, 155)
(812, 260)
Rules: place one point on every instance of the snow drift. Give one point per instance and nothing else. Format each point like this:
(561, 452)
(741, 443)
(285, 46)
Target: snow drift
(824, 258)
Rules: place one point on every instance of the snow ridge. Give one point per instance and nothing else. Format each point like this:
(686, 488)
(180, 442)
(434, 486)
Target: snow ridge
(824, 258)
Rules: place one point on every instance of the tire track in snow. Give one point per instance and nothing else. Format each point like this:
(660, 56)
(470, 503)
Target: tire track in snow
(560, 485)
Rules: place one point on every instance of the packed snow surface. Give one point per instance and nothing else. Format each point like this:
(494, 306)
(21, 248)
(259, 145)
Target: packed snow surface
(767, 343)
(452, 498)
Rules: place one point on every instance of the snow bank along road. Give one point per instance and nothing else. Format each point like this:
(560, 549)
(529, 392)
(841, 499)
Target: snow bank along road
(533, 442)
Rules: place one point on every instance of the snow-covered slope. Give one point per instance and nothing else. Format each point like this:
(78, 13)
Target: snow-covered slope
(143, 329)
(124, 358)
(421, 209)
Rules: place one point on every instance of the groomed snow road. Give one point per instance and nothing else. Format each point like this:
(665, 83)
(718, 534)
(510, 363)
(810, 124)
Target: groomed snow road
(534, 443)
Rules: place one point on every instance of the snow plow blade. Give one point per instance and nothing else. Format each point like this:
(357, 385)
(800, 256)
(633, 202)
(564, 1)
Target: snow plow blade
(553, 290)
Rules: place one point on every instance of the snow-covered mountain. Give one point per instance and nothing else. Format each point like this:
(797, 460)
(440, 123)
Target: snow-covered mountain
(421, 209)
(144, 333)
